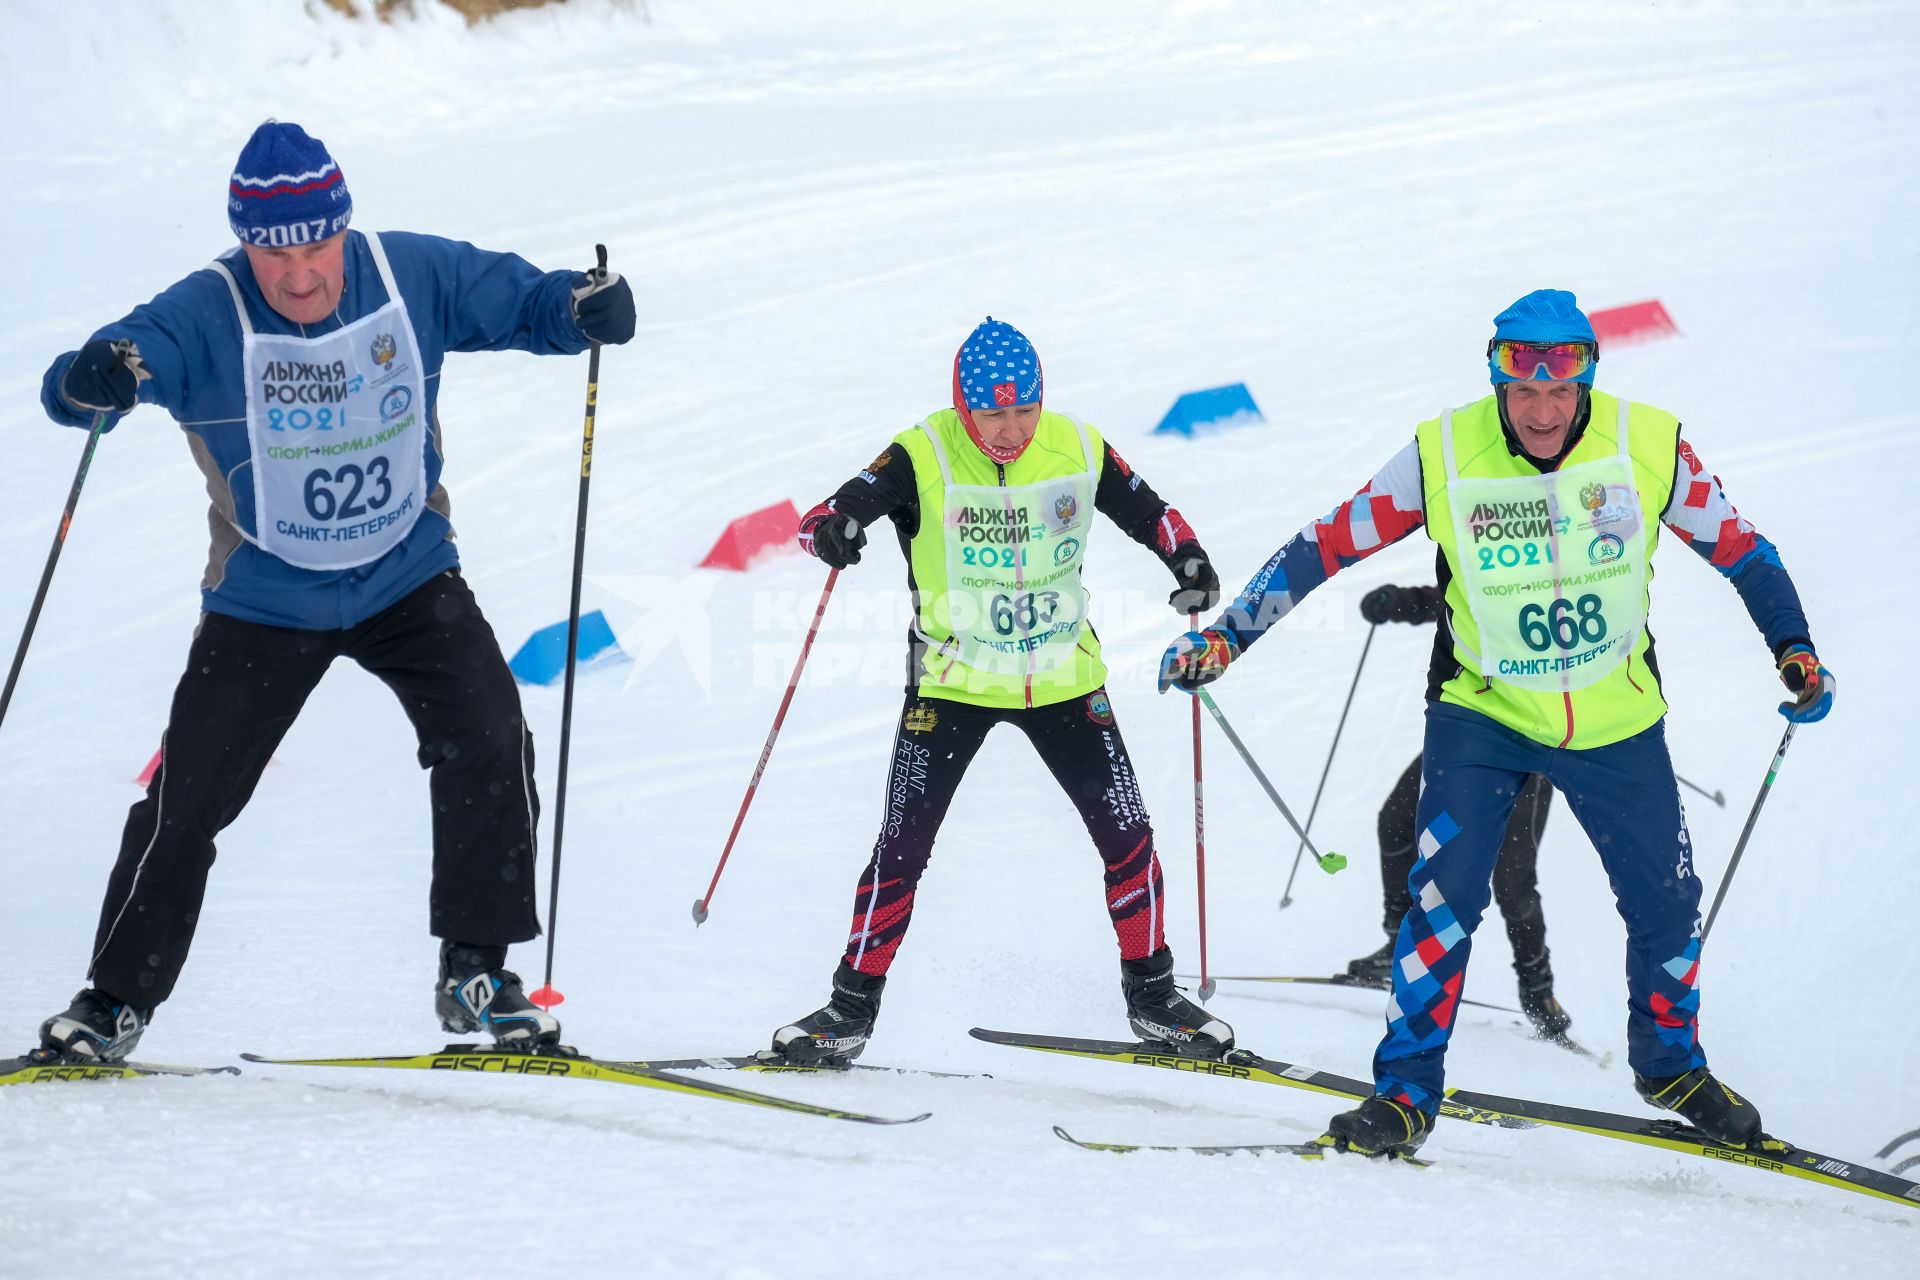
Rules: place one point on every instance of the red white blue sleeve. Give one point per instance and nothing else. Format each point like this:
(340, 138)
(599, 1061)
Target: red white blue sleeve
(1387, 509)
(1700, 515)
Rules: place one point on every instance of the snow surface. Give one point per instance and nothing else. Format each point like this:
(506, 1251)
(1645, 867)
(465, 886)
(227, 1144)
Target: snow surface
(816, 203)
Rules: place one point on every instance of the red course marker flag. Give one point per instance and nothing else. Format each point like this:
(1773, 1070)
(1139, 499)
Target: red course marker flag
(1635, 322)
(769, 530)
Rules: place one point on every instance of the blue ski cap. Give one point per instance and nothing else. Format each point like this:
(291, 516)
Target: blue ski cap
(1543, 316)
(996, 367)
(286, 189)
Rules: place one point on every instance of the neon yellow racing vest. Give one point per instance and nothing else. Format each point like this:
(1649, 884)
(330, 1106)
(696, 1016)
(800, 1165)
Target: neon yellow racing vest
(1547, 599)
(996, 564)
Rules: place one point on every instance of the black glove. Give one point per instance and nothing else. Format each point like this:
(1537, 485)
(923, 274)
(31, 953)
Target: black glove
(1391, 604)
(603, 306)
(837, 540)
(1199, 588)
(104, 377)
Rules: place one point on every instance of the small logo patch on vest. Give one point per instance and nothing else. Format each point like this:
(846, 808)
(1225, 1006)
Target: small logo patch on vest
(1605, 549)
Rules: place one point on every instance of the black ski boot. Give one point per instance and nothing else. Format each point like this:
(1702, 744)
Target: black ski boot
(837, 1032)
(96, 1028)
(1159, 1012)
(1378, 1127)
(1374, 969)
(1548, 1016)
(1709, 1106)
(476, 993)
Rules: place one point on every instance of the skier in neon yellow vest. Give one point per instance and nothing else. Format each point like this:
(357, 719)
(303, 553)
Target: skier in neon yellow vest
(1546, 500)
(993, 501)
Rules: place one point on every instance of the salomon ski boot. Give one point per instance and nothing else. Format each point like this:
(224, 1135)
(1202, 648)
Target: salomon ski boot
(1709, 1106)
(476, 994)
(837, 1032)
(96, 1028)
(1374, 969)
(1161, 1014)
(1380, 1126)
(1548, 1016)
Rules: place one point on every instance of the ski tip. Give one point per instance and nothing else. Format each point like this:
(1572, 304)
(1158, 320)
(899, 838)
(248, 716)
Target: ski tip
(699, 911)
(546, 997)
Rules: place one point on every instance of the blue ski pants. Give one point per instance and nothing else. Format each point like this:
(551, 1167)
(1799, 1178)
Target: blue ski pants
(1626, 799)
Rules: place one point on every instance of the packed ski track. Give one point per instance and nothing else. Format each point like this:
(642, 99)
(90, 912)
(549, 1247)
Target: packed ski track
(815, 204)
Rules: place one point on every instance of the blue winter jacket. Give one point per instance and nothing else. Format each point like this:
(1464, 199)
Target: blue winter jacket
(459, 298)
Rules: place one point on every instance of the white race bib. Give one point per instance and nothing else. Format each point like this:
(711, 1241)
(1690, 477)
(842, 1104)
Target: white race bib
(1554, 567)
(336, 425)
(1015, 600)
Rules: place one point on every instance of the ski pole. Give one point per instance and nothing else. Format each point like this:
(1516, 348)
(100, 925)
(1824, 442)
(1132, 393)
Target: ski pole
(700, 904)
(1200, 840)
(546, 997)
(1286, 894)
(1753, 815)
(53, 558)
(1329, 862)
(1714, 796)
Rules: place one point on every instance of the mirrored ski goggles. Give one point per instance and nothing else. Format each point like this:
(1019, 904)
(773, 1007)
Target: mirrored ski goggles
(1523, 360)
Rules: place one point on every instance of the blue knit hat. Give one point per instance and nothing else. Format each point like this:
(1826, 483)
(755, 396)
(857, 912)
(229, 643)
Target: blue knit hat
(995, 367)
(286, 190)
(1543, 316)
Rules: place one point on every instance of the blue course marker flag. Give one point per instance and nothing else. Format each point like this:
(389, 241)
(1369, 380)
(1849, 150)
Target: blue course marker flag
(543, 658)
(1228, 406)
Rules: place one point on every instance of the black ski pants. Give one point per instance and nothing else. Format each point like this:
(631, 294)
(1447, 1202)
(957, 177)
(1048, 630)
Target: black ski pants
(243, 686)
(1079, 743)
(1516, 884)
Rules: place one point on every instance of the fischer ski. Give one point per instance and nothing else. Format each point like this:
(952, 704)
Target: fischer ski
(1561, 1041)
(1334, 980)
(1305, 1150)
(32, 1069)
(771, 1063)
(1491, 1109)
(470, 1057)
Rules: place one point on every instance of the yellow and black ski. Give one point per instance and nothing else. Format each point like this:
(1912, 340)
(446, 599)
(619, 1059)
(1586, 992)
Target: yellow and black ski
(1332, 980)
(570, 1066)
(770, 1063)
(1491, 1109)
(1559, 1041)
(38, 1069)
(1305, 1150)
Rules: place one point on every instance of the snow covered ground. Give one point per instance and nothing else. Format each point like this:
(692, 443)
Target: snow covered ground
(816, 203)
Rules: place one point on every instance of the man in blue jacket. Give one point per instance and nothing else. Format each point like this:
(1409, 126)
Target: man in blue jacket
(304, 366)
